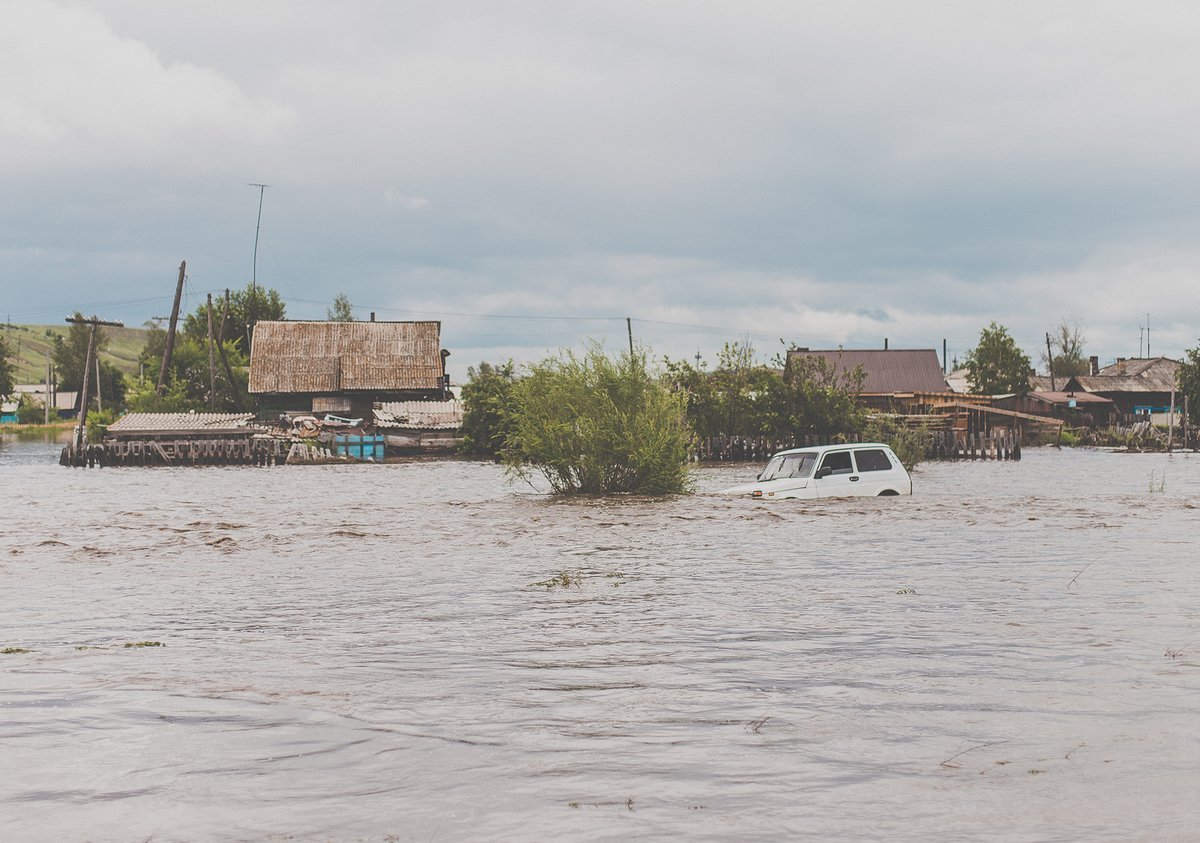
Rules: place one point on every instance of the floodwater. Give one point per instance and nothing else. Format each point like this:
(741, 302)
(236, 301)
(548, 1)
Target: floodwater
(373, 653)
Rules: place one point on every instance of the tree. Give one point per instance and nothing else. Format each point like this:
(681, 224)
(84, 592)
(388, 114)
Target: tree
(996, 366)
(70, 356)
(814, 397)
(728, 401)
(1189, 378)
(188, 385)
(1066, 346)
(487, 409)
(6, 368)
(598, 425)
(253, 304)
(341, 311)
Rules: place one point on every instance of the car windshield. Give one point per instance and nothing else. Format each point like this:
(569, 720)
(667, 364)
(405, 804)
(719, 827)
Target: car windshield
(789, 465)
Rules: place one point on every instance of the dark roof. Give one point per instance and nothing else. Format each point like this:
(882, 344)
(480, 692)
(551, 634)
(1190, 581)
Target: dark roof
(887, 371)
(1067, 397)
(1155, 374)
(312, 357)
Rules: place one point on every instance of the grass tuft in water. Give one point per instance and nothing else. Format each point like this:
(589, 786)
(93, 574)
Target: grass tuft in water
(12, 651)
(129, 644)
(563, 580)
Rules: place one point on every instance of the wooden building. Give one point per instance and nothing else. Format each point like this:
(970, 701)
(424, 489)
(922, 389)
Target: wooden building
(1137, 386)
(895, 380)
(345, 368)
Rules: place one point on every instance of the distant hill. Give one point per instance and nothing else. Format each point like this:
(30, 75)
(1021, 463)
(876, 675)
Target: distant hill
(29, 344)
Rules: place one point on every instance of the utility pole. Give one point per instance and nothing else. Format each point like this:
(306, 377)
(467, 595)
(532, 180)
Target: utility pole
(99, 398)
(47, 402)
(84, 398)
(1050, 364)
(233, 387)
(212, 363)
(170, 347)
(629, 328)
(1147, 334)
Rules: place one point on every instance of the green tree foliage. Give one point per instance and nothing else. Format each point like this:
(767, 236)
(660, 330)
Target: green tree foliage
(732, 400)
(31, 412)
(342, 311)
(1066, 346)
(487, 409)
(187, 386)
(6, 368)
(813, 397)
(1189, 379)
(996, 366)
(744, 398)
(598, 425)
(70, 356)
(253, 304)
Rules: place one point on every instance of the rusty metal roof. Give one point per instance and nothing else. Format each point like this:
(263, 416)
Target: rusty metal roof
(288, 357)
(181, 423)
(888, 371)
(1155, 374)
(420, 415)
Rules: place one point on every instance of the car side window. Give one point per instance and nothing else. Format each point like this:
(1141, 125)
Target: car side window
(872, 459)
(839, 462)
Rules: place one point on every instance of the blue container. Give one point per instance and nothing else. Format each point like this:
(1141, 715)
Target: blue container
(358, 447)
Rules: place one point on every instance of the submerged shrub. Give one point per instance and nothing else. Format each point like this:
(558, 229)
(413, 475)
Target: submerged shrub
(598, 425)
(910, 444)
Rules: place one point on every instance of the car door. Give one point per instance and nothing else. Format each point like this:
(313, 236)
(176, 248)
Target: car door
(875, 471)
(836, 477)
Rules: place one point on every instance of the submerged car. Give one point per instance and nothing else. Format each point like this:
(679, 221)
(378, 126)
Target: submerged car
(863, 469)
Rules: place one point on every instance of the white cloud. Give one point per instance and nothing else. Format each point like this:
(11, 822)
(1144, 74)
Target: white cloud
(76, 96)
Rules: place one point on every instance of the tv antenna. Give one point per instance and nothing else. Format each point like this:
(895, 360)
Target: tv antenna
(258, 225)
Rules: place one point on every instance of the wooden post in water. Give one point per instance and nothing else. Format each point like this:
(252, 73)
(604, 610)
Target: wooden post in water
(170, 347)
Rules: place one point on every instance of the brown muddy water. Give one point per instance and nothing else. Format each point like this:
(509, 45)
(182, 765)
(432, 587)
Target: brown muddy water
(379, 652)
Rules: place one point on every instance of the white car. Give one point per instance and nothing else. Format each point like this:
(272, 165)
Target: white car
(862, 469)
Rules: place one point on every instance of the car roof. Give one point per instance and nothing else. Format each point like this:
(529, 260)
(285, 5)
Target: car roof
(821, 449)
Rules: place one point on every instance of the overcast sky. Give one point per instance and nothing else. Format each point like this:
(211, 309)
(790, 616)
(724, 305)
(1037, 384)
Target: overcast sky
(531, 173)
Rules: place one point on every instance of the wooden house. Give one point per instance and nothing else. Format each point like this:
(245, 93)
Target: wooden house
(1076, 409)
(345, 368)
(895, 380)
(1137, 386)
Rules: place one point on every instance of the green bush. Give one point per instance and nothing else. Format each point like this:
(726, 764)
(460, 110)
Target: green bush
(910, 444)
(598, 425)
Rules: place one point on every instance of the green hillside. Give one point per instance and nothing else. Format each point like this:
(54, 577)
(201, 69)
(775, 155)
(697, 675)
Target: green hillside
(29, 344)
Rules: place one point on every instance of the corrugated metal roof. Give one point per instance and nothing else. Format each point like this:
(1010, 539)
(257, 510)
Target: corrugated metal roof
(420, 415)
(345, 356)
(887, 371)
(180, 422)
(1156, 374)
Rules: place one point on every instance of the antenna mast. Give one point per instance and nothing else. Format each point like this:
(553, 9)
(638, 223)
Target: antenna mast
(257, 225)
